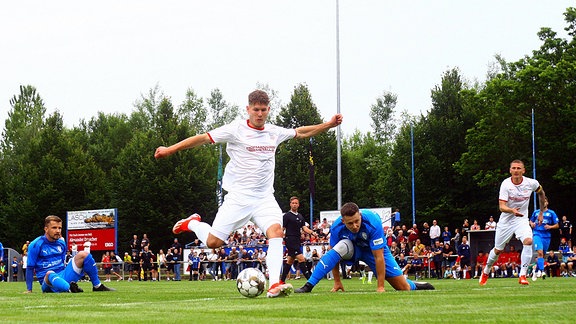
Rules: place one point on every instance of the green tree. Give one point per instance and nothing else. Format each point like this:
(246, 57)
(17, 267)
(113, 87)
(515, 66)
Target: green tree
(292, 160)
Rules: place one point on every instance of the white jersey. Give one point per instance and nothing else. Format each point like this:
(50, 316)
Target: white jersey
(252, 156)
(517, 196)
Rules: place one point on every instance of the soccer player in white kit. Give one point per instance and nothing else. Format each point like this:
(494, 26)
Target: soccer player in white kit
(248, 179)
(514, 198)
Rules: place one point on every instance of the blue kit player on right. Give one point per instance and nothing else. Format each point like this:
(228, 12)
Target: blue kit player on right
(358, 235)
(542, 233)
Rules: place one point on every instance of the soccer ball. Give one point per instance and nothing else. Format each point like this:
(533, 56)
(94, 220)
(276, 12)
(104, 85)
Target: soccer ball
(251, 282)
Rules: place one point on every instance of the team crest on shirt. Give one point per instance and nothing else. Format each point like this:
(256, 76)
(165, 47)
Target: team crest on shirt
(364, 235)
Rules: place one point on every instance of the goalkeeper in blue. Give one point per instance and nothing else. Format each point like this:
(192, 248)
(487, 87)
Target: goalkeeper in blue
(541, 235)
(46, 255)
(357, 235)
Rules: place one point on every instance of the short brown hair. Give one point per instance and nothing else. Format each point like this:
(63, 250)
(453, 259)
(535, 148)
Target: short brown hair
(294, 197)
(258, 97)
(52, 218)
(349, 209)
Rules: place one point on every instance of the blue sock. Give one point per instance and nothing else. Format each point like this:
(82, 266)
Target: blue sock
(412, 284)
(541, 264)
(91, 270)
(58, 284)
(327, 262)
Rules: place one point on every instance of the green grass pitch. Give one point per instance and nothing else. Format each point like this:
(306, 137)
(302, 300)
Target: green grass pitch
(502, 300)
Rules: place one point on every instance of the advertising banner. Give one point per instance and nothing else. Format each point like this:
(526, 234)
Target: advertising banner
(99, 227)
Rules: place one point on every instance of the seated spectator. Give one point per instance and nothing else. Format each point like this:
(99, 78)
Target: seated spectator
(513, 262)
(480, 261)
(404, 249)
(418, 248)
(552, 264)
(403, 264)
(390, 237)
(401, 238)
(395, 250)
(570, 262)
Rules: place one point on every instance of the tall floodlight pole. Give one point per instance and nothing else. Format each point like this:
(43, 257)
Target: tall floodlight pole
(338, 131)
(413, 186)
(533, 155)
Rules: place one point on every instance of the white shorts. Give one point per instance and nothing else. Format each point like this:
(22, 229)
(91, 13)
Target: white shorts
(238, 210)
(504, 232)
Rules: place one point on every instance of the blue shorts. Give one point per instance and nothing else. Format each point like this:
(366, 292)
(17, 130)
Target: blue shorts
(68, 274)
(540, 243)
(392, 268)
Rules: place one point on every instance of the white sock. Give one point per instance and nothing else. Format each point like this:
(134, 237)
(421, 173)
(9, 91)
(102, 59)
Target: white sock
(525, 258)
(274, 259)
(370, 274)
(201, 229)
(492, 257)
(464, 273)
(363, 273)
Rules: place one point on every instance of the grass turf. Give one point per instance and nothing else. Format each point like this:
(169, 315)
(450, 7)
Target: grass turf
(501, 300)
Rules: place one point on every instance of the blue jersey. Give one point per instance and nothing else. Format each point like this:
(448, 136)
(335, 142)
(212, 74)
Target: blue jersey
(550, 218)
(464, 251)
(44, 255)
(369, 237)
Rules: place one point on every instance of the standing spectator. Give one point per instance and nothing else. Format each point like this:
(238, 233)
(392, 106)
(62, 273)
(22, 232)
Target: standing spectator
(425, 234)
(293, 224)
(74, 249)
(24, 262)
(213, 264)
(261, 260)
(465, 228)
(413, 234)
(396, 217)
(177, 263)
(145, 241)
(46, 260)
(106, 266)
(169, 265)
(161, 259)
(128, 265)
(231, 260)
(135, 243)
(146, 260)
(401, 238)
(193, 266)
(566, 230)
(222, 257)
(456, 239)
(176, 246)
(15, 269)
(446, 235)
(447, 261)
(475, 226)
(24, 247)
(434, 232)
(542, 235)
(490, 224)
(464, 255)
(136, 266)
(1, 252)
(249, 181)
(514, 198)
(116, 265)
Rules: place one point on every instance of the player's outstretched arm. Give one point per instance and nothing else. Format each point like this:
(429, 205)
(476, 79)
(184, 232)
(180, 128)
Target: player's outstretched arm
(312, 130)
(190, 142)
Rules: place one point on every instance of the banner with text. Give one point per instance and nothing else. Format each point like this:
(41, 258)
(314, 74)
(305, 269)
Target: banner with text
(99, 227)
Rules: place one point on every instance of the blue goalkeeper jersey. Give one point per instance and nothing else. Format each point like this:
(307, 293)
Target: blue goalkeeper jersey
(44, 255)
(550, 218)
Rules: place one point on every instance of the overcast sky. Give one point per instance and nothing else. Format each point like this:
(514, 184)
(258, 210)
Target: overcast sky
(85, 57)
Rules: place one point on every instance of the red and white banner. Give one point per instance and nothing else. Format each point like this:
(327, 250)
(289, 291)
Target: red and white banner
(99, 227)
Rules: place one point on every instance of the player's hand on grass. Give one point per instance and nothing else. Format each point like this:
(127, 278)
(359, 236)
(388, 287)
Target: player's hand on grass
(337, 287)
(380, 289)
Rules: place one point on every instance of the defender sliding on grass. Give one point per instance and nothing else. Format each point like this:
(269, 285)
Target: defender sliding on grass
(358, 235)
